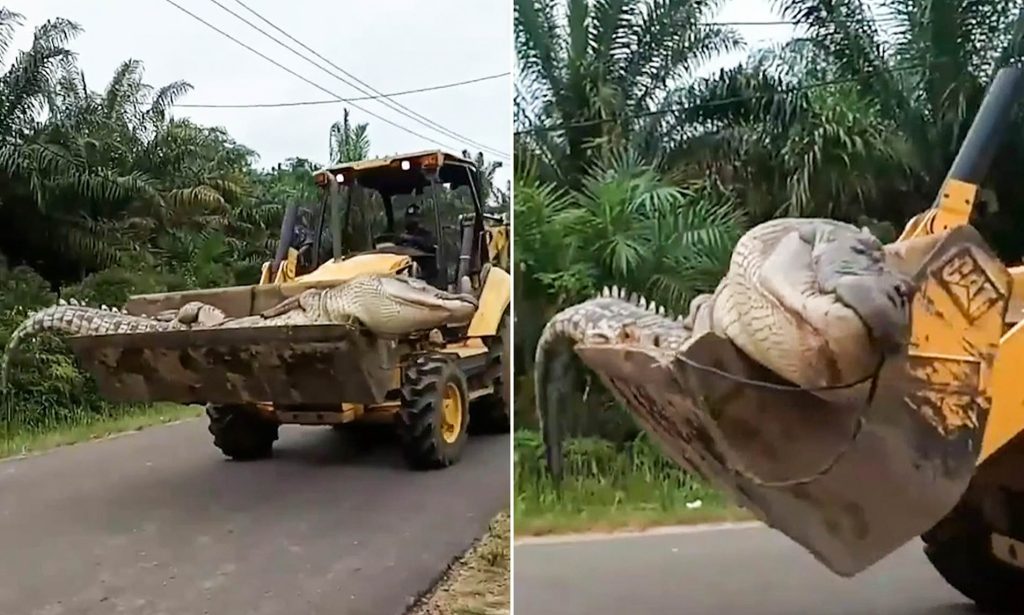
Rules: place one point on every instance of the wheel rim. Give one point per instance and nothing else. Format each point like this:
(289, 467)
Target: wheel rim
(451, 413)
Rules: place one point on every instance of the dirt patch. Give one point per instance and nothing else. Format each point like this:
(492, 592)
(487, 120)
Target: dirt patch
(478, 583)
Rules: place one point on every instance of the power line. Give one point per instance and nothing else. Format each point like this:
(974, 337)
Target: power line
(704, 105)
(789, 22)
(304, 103)
(297, 75)
(392, 104)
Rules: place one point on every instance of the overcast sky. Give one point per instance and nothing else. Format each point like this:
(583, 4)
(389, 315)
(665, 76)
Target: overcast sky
(392, 45)
(754, 36)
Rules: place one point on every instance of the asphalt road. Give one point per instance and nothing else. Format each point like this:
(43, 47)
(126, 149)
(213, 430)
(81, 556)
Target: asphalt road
(159, 523)
(750, 570)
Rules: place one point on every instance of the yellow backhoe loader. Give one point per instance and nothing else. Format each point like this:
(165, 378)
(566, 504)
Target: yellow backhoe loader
(433, 386)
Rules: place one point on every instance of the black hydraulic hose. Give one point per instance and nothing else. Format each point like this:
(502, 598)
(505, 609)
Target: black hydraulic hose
(285, 241)
(989, 127)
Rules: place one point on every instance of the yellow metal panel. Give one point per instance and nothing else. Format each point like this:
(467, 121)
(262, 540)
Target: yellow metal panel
(955, 206)
(470, 342)
(955, 361)
(465, 351)
(357, 265)
(285, 273)
(382, 414)
(1006, 418)
(1015, 313)
(497, 245)
(493, 301)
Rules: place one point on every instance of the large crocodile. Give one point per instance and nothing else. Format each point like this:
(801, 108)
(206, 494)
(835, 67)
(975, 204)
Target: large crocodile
(812, 300)
(387, 305)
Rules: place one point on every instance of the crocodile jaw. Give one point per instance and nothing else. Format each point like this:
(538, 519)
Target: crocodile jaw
(424, 301)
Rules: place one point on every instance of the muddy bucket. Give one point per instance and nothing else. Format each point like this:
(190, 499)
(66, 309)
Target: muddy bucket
(850, 475)
(314, 364)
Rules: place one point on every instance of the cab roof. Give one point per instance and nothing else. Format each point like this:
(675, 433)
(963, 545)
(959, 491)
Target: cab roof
(386, 175)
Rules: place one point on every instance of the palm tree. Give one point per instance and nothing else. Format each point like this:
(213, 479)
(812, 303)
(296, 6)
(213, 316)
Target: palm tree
(881, 142)
(604, 60)
(25, 87)
(783, 144)
(485, 173)
(625, 226)
(101, 174)
(349, 142)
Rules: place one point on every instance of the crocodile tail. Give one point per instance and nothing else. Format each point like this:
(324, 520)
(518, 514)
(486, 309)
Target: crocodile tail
(553, 368)
(609, 318)
(552, 381)
(74, 319)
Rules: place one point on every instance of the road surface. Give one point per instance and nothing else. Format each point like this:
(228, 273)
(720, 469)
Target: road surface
(750, 570)
(159, 523)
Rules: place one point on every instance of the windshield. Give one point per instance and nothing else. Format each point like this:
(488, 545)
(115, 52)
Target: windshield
(421, 223)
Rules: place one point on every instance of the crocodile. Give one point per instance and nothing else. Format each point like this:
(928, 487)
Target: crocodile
(813, 300)
(389, 306)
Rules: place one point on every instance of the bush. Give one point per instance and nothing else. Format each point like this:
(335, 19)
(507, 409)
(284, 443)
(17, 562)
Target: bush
(47, 388)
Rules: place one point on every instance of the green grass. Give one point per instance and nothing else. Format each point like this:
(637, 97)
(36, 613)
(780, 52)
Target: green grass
(22, 441)
(478, 583)
(609, 488)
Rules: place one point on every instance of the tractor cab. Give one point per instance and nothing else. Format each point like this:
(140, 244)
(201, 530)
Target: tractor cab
(399, 214)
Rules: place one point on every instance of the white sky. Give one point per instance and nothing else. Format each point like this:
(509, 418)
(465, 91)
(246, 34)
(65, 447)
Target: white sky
(392, 45)
(754, 36)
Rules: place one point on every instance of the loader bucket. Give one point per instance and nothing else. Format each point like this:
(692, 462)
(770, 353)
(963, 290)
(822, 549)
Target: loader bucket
(852, 476)
(315, 364)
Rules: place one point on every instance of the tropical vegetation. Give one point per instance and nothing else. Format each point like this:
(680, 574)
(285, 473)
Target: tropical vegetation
(639, 165)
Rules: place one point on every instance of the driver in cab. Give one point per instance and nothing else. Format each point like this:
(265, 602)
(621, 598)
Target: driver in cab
(416, 235)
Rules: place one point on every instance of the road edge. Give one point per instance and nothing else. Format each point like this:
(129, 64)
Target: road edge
(654, 531)
(104, 438)
(420, 604)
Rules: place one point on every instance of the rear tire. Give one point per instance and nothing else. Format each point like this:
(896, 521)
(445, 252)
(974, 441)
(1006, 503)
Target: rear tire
(242, 433)
(433, 434)
(960, 550)
(491, 413)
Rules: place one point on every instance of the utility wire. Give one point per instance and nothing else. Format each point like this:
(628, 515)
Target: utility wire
(789, 22)
(297, 75)
(703, 105)
(304, 103)
(367, 90)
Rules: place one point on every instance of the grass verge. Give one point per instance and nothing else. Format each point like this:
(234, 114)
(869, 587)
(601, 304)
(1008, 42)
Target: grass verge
(33, 441)
(608, 488)
(478, 584)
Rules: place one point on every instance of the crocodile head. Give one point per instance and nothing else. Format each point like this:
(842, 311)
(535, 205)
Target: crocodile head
(398, 305)
(851, 268)
(417, 294)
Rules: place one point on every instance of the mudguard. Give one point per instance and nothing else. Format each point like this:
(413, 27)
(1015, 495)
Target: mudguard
(853, 474)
